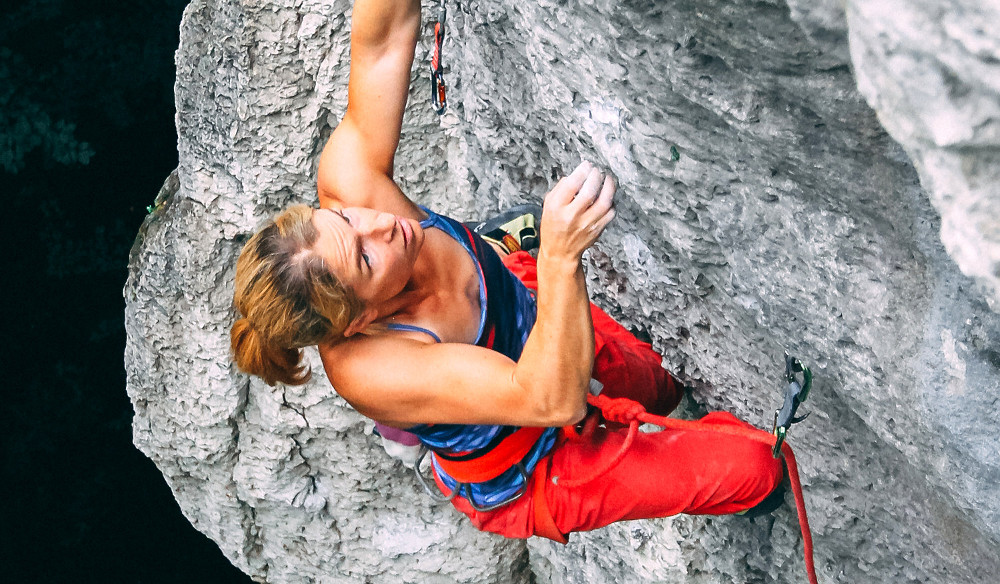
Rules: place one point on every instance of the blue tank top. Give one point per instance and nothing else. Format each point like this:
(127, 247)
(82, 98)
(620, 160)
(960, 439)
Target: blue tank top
(507, 313)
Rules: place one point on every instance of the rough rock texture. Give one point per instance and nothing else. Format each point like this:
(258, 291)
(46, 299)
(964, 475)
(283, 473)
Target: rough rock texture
(762, 207)
(931, 70)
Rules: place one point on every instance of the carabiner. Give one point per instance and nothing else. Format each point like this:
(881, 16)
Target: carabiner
(459, 487)
(438, 94)
(420, 478)
(524, 489)
(795, 394)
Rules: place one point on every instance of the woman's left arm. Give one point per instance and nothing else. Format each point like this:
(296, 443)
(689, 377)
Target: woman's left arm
(356, 167)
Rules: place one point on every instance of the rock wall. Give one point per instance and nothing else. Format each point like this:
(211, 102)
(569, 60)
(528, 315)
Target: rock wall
(931, 70)
(761, 207)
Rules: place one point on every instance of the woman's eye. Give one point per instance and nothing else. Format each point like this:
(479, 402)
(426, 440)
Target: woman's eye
(346, 218)
(368, 261)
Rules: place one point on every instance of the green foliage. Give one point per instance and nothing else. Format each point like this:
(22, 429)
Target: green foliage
(70, 71)
(86, 121)
(103, 250)
(25, 125)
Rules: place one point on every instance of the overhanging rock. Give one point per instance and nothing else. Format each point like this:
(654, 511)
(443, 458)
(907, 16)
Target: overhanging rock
(932, 72)
(761, 208)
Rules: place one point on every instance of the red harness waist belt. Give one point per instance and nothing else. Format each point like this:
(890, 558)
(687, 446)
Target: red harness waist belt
(492, 463)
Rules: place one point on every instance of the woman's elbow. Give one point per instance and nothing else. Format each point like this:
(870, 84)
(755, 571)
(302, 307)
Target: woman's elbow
(567, 413)
(576, 415)
(540, 406)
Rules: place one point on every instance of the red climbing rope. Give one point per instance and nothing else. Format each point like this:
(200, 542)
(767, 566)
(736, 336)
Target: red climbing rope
(626, 411)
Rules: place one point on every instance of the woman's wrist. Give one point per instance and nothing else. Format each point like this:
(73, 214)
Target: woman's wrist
(558, 264)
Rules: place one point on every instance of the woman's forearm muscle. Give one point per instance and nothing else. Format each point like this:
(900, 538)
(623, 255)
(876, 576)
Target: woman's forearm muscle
(379, 23)
(558, 357)
(555, 366)
(384, 35)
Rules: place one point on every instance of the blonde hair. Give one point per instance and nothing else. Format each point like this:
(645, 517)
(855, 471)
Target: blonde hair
(287, 299)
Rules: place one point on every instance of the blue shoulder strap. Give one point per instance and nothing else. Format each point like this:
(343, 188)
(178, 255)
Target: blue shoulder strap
(412, 328)
(449, 227)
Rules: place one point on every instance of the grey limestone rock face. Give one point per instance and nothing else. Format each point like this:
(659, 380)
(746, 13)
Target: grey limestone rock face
(931, 70)
(761, 207)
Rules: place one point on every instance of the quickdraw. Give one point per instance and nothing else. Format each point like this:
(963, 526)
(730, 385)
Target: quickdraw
(438, 97)
(795, 394)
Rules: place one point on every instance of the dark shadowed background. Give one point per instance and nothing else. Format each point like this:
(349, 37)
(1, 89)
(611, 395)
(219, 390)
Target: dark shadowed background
(86, 139)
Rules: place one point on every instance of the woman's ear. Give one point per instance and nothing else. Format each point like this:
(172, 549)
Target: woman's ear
(361, 322)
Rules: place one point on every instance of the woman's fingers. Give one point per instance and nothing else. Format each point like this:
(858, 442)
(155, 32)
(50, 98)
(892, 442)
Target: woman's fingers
(606, 199)
(569, 186)
(588, 192)
(602, 211)
(602, 222)
(577, 210)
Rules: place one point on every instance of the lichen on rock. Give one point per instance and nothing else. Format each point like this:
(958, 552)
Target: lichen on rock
(762, 207)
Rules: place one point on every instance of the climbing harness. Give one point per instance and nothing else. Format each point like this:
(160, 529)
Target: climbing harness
(438, 97)
(504, 452)
(795, 394)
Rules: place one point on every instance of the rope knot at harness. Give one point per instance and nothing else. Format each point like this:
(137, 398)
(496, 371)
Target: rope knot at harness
(620, 410)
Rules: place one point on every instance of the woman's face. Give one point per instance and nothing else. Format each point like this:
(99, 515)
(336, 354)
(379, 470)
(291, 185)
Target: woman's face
(372, 253)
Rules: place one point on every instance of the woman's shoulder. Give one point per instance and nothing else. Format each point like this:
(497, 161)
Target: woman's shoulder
(375, 341)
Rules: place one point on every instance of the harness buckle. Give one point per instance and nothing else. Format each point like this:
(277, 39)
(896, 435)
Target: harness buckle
(795, 393)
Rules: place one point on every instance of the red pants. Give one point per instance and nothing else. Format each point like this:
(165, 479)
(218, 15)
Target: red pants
(663, 473)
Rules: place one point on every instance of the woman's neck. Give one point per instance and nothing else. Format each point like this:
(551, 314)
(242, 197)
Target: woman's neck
(433, 275)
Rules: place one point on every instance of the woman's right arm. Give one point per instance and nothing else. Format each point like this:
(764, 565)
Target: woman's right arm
(404, 382)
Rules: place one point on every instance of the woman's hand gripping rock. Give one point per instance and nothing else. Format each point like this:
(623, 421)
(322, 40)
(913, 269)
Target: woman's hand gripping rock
(575, 213)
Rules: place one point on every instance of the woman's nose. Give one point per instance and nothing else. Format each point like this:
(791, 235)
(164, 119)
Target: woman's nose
(382, 225)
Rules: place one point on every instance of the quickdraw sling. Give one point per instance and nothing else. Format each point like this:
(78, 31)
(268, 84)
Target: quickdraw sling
(438, 96)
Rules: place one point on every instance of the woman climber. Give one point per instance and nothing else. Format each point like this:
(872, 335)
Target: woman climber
(477, 349)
